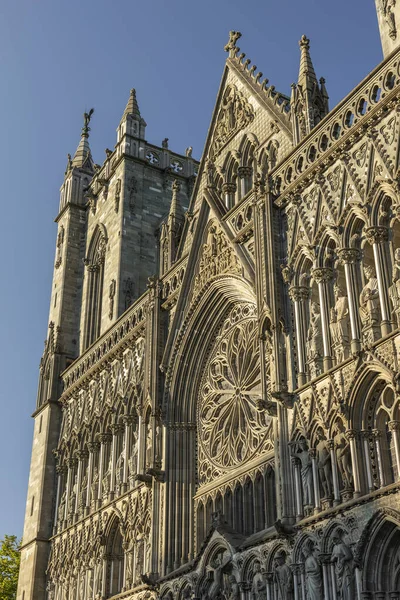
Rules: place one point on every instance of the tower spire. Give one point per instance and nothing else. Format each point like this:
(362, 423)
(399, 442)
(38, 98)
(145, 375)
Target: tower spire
(132, 124)
(132, 107)
(309, 99)
(307, 77)
(83, 156)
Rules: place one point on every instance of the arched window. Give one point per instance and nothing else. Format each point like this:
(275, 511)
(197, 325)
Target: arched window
(115, 561)
(94, 286)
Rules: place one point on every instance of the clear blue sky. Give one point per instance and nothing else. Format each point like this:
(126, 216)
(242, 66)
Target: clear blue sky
(59, 58)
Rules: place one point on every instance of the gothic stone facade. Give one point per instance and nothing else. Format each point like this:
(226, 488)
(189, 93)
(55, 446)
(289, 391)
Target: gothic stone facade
(232, 431)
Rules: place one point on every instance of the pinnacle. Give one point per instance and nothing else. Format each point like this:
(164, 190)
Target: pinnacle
(83, 156)
(175, 211)
(132, 107)
(307, 75)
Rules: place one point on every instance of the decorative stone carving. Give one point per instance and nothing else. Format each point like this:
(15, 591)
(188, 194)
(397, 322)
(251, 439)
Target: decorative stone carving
(217, 257)
(342, 557)
(394, 290)
(303, 454)
(369, 305)
(259, 585)
(324, 465)
(106, 481)
(95, 484)
(315, 350)
(235, 113)
(133, 459)
(340, 324)
(343, 456)
(313, 574)
(111, 296)
(386, 8)
(119, 468)
(283, 577)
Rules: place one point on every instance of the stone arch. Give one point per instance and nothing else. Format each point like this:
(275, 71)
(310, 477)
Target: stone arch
(94, 284)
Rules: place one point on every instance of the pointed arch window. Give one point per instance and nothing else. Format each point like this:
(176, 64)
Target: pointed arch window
(94, 286)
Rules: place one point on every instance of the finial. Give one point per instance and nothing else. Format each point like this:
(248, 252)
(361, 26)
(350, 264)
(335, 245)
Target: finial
(176, 186)
(86, 121)
(304, 42)
(231, 45)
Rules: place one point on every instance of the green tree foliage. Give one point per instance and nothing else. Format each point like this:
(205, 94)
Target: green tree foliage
(9, 567)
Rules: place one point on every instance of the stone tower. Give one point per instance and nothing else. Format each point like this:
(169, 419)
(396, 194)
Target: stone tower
(108, 224)
(389, 22)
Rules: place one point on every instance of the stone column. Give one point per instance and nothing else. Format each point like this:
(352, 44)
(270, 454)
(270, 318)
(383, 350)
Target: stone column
(59, 470)
(116, 429)
(92, 447)
(325, 560)
(296, 573)
(81, 455)
(335, 475)
(300, 296)
(128, 421)
(229, 190)
(378, 448)
(378, 238)
(317, 500)
(333, 580)
(245, 174)
(322, 277)
(366, 438)
(350, 258)
(352, 436)
(297, 482)
(105, 438)
(71, 462)
(394, 427)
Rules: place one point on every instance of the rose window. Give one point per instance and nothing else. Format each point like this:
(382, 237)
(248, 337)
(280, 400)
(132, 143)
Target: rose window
(231, 429)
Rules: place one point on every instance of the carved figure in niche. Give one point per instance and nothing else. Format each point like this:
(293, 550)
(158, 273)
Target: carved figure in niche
(343, 457)
(106, 481)
(342, 557)
(259, 585)
(306, 472)
(99, 579)
(324, 465)
(216, 589)
(314, 337)
(339, 324)
(149, 445)
(158, 446)
(83, 492)
(133, 459)
(82, 585)
(233, 592)
(72, 498)
(94, 488)
(386, 7)
(119, 469)
(369, 298)
(139, 558)
(61, 507)
(394, 290)
(283, 577)
(312, 570)
(90, 584)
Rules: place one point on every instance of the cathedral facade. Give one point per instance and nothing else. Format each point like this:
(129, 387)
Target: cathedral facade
(218, 411)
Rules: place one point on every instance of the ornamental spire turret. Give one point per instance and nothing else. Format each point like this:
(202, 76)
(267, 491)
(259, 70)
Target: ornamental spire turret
(309, 99)
(83, 156)
(132, 123)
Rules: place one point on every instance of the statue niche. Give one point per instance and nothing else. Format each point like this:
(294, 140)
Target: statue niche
(394, 290)
(235, 113)
(315, 350)
(339, 324)
(369, 306)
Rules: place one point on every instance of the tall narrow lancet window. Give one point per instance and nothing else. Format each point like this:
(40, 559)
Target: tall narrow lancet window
(94, 285)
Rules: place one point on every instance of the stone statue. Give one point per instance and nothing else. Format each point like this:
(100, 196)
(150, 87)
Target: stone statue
(342, 557)
(133, 459)
(83, 492)
(324, 465)
(394, 290)
(82, 585)
(94, 488)
(89, 590)
(119, 470)
(312, 570)
(343, 457)
(165, 143)
(340, 321)
(106, 481)
(283, 577)
(259, 585)
(61, 507)
(306, 472)
(149, 445)
(314, 336)
(369, 298)
(233, 591)
(72, 498)
(189, 151)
